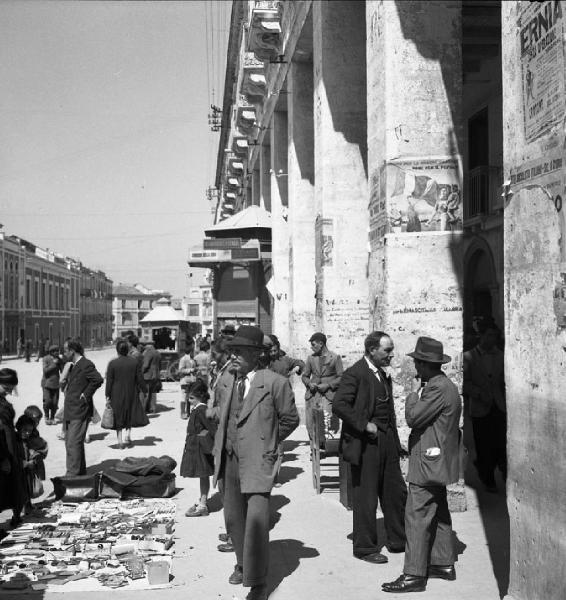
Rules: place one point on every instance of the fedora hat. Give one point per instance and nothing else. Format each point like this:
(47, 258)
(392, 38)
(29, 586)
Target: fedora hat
(430, 350)
(247, 336)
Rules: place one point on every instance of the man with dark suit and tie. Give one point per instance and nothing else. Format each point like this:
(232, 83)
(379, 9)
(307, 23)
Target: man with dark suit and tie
(370, 443)
(433, 412)
(258, 413)
(83, 381)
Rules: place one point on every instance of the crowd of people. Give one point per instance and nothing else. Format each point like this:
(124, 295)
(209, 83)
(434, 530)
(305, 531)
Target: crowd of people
(240, 407)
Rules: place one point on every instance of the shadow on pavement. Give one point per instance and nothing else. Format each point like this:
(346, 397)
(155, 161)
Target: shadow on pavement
(288, 474)
(284, 558)
(148, 440)
(162, 408)
(96, 437)
(290, 445)
(276, 504)
(494, 514)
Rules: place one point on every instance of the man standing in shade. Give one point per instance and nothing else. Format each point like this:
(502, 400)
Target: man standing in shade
(259, 414)
(321, 377)
(432, 411)
(83, 381)
(151, 366)
(370, 443)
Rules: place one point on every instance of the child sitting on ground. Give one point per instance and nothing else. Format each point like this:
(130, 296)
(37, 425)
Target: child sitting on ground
(197, 455)
(35, 451)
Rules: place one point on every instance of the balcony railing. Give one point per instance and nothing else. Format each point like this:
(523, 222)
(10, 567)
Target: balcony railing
(483, 192)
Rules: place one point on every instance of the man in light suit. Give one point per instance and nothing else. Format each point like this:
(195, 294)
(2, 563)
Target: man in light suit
(258, 414)
(321, 377)
(83, 381)
(433, 413)
(370, 443)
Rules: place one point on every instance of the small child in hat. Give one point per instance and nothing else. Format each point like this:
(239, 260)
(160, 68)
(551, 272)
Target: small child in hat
(197, 456)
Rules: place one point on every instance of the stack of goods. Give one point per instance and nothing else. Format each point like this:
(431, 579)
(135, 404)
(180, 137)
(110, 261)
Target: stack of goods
(91, 545)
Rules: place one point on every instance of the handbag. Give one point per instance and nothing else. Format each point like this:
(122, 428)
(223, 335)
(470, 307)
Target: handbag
(36, 486)
(107, 421)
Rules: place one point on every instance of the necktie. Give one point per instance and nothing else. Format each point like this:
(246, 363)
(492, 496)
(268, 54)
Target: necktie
(241, 389)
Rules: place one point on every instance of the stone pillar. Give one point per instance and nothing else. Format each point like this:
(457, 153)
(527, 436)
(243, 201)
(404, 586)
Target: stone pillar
(279, 287)
(256, 185)
(265, 175)
(534, 297)
(341, 174)
(302, 212)
(414, 84)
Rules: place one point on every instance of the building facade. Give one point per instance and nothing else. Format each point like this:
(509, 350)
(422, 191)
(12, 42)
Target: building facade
(198, 307)
(411, 156)
(95, 307)
(49, 297)
(130, 304)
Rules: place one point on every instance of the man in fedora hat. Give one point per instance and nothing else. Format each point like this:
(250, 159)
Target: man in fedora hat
(433, 413)
(258, 412)
(370, 443)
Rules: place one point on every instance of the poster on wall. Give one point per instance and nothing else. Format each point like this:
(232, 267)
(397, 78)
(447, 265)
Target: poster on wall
(542, 65)
(423, 194)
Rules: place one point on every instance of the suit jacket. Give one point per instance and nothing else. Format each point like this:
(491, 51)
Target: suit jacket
(326, 368)
(268, 415)
(151, 363)
(482, 390)
(434, 418)
(82, 382)
(51, 370)
(354, 403)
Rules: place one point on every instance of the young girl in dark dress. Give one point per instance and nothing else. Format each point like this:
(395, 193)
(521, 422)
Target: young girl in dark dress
(197, 456)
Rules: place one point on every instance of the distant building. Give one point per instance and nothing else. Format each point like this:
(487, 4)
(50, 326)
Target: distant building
(47, 296)
(95, 307)
(198, 307)
(130, 304)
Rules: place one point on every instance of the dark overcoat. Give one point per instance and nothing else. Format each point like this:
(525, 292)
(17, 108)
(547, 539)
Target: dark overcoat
(123, 380)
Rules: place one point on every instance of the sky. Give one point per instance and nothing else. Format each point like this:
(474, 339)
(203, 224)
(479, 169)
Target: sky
(105, 151)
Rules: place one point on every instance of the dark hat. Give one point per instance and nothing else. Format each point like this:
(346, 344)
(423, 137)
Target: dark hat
(248, 336)
(318, 337)
(229, 328)
(8, 376)
(53, 347)
(267, 341)
(430, 350)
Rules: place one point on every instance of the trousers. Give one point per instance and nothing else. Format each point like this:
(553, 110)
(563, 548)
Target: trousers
(75, 446)
(428, 526)
(247, 523)
(378, 476)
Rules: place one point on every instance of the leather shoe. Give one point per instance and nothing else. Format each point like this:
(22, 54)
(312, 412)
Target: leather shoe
(441, 572)
(237, 576)
(227, 547)
(375, 557)
(405, 583)
(257, 592)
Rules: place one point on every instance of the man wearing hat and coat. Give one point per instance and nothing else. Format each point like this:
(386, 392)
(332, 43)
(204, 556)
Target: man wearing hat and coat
(52, 365)
(432, 410)
(321, 376)
(370, 443)
(259, 413)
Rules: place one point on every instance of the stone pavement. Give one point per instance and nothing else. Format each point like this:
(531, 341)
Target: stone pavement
(310, 549)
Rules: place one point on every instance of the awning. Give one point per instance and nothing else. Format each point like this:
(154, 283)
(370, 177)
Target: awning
(252, 217)
(163, 312)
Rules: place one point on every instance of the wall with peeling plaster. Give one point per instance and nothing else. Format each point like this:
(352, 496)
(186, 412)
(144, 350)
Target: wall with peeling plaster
(535, 348)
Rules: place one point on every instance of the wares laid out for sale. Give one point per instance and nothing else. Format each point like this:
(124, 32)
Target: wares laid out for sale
(91, 545)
